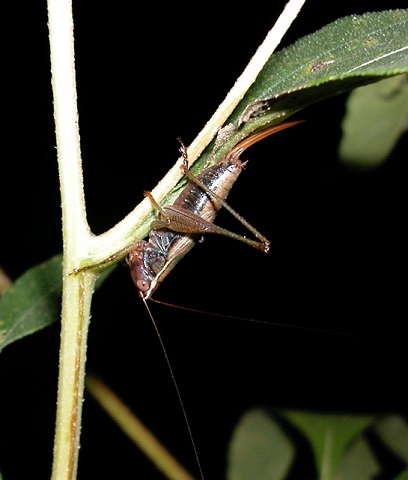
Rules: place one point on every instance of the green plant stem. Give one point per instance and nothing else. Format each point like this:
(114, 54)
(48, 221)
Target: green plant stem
(135, 430)
(77, 289)
(135, 225)
(74, 330)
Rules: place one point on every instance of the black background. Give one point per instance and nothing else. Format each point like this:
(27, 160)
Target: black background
(337, 263)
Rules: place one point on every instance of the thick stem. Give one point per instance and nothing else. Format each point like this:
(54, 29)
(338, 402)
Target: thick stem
(77, 290)
(74, 329)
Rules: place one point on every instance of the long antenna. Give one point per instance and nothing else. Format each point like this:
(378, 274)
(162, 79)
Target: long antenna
(176, 387)
(255, 320)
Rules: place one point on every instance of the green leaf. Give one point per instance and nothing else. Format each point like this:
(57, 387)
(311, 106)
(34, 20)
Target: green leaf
(329, 435)
(403, 475)
(358, 463)
(376, 117)
(259, 449)
(350, 52)
(32, 303)
(393, 431)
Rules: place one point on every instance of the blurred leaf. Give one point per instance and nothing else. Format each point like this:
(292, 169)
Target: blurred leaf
(358, 463)
(376, 117)
(5, 282)
(329, 435)
(393, 431)
(32, 302)
(403, 475)
(259, 449)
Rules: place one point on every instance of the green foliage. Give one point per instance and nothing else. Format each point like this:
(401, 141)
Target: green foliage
(251, 455)
(32, 303)
(376, 117)
(262, 448)
(329, 436)
(350, 52)
(403, 475)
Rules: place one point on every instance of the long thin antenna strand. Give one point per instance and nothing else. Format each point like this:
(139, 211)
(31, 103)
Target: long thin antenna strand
(255, 320)
(177, 389)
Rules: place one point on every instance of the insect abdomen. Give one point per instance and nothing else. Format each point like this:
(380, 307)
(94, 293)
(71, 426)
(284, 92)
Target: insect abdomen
(219, 178)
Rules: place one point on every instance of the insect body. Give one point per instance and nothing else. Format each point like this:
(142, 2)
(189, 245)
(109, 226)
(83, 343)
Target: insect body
(182, 224)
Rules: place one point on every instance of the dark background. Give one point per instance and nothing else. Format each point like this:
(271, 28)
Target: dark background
(337, 263)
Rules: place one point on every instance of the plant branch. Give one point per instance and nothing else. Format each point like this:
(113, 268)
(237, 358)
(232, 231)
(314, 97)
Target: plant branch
(125, 232)
(77, 289)
(135, 430)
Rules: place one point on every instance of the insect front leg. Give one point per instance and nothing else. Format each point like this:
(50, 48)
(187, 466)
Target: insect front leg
(115, 256)
(159, 223)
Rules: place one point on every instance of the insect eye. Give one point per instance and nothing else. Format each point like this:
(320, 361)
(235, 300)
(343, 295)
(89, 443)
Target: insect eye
(143, 285)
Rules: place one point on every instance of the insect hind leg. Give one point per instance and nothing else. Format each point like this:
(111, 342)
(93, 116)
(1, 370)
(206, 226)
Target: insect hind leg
(265, 243)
